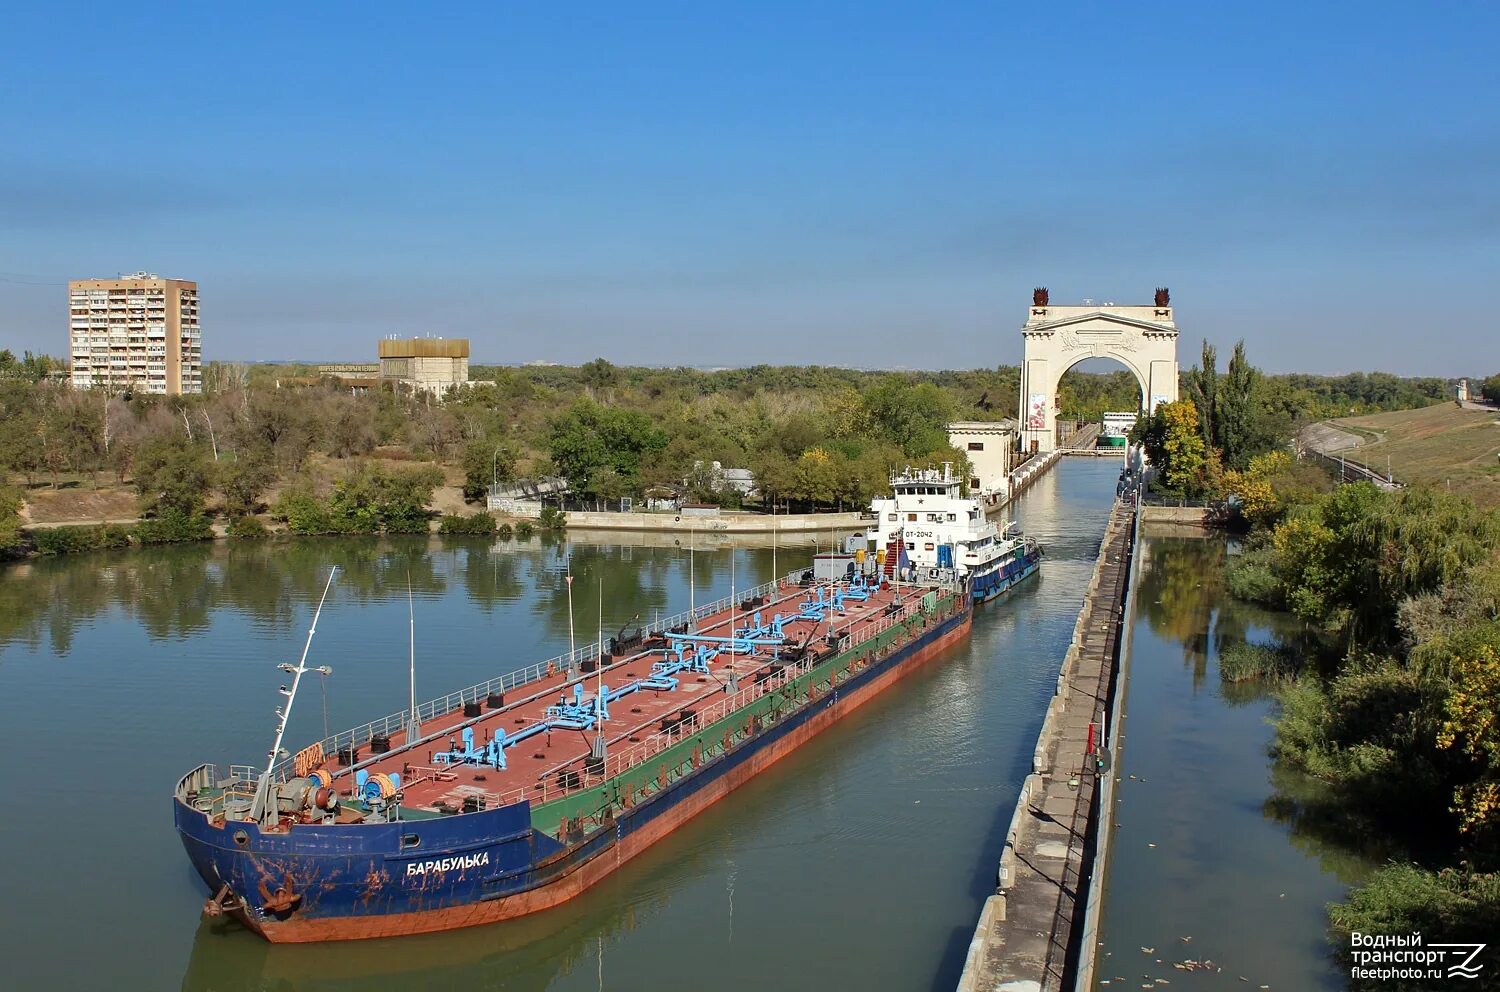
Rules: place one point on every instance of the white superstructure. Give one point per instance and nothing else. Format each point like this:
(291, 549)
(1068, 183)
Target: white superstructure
(927, 523)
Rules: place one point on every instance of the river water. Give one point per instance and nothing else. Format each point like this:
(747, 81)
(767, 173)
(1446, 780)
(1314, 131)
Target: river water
(1211, 857)
(861, 861)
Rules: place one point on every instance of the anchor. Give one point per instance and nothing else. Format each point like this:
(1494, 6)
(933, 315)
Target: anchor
(283, 900)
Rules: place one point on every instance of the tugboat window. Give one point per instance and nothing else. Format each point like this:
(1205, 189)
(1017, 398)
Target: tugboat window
(410, 840)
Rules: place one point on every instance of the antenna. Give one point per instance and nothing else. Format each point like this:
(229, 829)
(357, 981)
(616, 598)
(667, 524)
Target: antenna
(263, 787)
(413, 726)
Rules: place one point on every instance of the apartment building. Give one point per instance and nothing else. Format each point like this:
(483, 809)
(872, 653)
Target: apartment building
(136, 332)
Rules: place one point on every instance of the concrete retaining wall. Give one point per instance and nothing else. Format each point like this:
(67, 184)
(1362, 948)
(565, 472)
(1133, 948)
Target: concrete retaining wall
(724, 523)
(1194, 515)
(1028, 936)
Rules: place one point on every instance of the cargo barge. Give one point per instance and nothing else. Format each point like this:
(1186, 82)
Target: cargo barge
(518, 794)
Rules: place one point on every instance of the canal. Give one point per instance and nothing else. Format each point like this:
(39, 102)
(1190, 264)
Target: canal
(1211, 859)
(860, 861)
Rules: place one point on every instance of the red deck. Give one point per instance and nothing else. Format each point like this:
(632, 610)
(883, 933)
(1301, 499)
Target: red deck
(533, 766)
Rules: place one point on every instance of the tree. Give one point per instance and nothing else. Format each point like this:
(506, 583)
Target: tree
(1203, 389)
(912, 417)
(280, 423)
(598, 374)
(242, 481)
(816, 477)
(10, 519)
(1173, 439)
(1490, 390)
(1255, 488)
(172, 475)
(350, 429)
(588, 438)
(486, 461)
(1472, 722)
(1239, 434)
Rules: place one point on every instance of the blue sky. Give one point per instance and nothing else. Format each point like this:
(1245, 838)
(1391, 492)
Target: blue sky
(863, 184)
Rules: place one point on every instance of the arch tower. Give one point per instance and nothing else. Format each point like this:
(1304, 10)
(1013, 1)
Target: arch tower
(1141, 338)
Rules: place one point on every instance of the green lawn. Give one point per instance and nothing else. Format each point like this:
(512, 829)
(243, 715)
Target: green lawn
(1438, 444)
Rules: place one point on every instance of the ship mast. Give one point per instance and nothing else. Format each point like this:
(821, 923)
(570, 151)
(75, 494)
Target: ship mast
(599, 748)
(413, 725)
(263, 787)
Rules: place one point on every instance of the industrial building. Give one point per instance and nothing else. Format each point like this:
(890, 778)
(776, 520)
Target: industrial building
(136, 332)
(990, 446)
(431, 365)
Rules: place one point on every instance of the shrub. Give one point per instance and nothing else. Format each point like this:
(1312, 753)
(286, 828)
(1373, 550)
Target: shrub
(1455, 904)
(524, 530)
(248, 527)
(304, 512)
(475, 523)
(504, 532)
(10, 519)
(68, 540)
(552, 519)
(1250, 578)
(172, 525)
(1243, 662)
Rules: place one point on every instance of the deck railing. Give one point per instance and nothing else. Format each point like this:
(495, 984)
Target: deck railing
(569, 661)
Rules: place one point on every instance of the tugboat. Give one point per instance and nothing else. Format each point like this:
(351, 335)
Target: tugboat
(928, 527)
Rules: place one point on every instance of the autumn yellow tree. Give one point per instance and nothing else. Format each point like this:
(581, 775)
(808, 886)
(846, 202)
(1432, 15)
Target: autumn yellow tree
(1255, 487)
(1174, 443)
(1472, 725)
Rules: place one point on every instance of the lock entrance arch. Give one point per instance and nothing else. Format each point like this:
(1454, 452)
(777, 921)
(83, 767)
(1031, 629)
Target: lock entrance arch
(1141, 338)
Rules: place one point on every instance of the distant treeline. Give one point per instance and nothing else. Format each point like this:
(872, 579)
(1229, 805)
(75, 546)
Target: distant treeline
(814, 436)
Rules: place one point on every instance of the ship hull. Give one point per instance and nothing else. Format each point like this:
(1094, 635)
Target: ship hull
(492, 865)
(996, 584)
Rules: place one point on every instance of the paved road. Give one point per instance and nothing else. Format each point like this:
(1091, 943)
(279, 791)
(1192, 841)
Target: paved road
(1328, 439)
(1337, 444)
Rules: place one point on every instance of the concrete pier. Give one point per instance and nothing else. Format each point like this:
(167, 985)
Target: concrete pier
(1029, 933)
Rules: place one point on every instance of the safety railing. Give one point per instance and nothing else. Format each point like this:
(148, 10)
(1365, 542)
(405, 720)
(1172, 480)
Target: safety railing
(396, 722)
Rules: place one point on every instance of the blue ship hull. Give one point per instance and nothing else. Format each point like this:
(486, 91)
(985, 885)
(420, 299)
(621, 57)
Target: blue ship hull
(992, 585)
(341, 882)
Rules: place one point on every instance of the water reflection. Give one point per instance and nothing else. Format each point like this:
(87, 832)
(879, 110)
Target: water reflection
(173, 592)
(1214, 841)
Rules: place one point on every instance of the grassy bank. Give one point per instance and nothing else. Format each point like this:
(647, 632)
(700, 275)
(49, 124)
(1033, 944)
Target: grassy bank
(1440, 445)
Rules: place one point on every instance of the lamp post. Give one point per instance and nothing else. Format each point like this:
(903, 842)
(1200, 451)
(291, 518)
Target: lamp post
(495, 468)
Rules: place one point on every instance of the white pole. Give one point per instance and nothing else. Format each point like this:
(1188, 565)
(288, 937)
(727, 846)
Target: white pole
(413, 728)
(692, 583)
(732, 603)
(572, 646)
